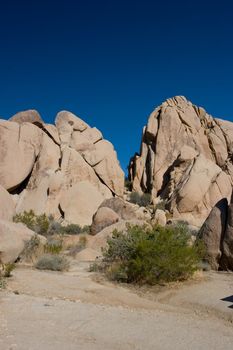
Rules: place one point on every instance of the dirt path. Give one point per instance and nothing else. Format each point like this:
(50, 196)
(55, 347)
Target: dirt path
(74, 311)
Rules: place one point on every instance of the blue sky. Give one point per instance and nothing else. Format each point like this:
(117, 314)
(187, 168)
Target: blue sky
(113, 62)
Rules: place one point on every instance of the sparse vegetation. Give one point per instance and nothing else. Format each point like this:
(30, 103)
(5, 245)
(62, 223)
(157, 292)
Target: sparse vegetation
(143, 200)
(53, 246)
(6, 270)
(128, 184)
(52, 262)
(76, 248)
(47, 226)
(2, 283)
(37, 223)
(31, 248)
(74, 229)
(145, 255)
(161, 205)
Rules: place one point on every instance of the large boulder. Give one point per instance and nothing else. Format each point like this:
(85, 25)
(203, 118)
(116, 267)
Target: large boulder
(80, 202)
(124, 210)
(160, 217)
(12, 240)
(30, 116)
(7, 205)
(212, 233)
(20, 145)
(185, 159)
(104, 217)
(35, 195)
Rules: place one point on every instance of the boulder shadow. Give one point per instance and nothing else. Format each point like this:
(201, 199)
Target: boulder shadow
(229, 300)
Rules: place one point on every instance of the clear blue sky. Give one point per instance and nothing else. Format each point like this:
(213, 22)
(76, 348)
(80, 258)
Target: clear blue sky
(112, 62)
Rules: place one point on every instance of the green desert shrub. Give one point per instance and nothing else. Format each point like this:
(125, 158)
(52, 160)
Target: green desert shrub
(52, 262)
(151, 255)
(143, 200)
(7, 269)
(37, 223)
(2, 283)
(53, 246)
(47, 226)
(161, 205)
(73, 229)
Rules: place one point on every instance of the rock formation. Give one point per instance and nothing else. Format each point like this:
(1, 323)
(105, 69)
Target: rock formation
(66, 170)
(212, 233)
(12, 240)
(185, 159)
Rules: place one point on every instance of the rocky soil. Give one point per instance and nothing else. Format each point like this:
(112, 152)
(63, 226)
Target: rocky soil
(79, 310)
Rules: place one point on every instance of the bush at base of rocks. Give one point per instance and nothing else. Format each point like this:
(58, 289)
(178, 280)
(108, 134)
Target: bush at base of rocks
(142, 200)
(52, 262)
(47, 226)
(150, 256)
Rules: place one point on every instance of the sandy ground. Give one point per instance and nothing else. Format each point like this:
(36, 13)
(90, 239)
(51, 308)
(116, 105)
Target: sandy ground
(78, 310)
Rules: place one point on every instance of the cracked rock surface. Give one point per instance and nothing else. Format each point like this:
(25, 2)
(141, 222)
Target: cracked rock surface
(57, 169)
(185, 159)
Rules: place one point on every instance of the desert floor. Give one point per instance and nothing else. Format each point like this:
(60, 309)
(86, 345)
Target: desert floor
(79, 310)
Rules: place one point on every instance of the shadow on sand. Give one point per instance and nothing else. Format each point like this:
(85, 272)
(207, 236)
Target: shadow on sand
(229, 300)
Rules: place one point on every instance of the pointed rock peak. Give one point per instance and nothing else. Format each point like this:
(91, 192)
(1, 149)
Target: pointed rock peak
(185, 159)
(177, 101)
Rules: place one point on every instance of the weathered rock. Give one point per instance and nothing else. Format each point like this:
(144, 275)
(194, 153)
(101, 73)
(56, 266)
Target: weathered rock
(125, 210)
(212, 233)
(66, 122)
(30, 116)
(84, 141)
(80, 202)
(142, 213)
(7, 205)
(160, 218)
(35, 195)
(41, 164)
(12, 240)
(104, 217)
(185, 159)
(20, 145)
(226, 262)
(52, 132)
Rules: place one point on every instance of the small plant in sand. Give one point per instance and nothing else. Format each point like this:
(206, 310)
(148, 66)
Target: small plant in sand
(7, 269)
(52, 262)
(53, 246)
(31, 248)
(78, 247)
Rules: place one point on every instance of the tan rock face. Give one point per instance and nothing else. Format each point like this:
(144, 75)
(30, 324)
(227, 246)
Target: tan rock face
(12, 240)
(7, 205)
(104, 217)
(212, 233)
(65, 170)
(80, 202)
(20, 145)
(30, 116)
(185, 159)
